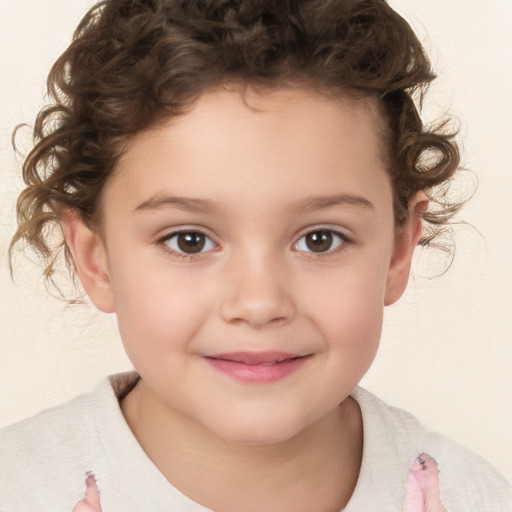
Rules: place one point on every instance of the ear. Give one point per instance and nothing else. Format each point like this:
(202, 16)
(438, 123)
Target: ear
(90, 257)
(406, 239)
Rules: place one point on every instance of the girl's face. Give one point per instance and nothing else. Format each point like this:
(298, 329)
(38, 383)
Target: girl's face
(249, 251)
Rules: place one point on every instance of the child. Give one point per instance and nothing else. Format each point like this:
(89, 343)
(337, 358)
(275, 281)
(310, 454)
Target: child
(243, 183)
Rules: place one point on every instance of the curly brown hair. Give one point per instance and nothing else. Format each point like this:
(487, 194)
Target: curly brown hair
(135, 63)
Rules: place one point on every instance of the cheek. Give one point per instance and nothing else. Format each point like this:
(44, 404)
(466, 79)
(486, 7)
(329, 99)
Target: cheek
(156, 308)
(347, 306)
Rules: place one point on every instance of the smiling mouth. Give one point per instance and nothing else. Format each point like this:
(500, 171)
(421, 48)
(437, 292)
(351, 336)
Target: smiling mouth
(254, 358)
(262, 367)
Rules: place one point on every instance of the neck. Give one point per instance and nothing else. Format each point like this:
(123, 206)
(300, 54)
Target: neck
(315, 470)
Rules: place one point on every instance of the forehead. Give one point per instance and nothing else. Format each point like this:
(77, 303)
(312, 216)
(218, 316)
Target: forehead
(279, 139)
(296, 110)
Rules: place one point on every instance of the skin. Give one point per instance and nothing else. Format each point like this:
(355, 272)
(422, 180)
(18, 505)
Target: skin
(423, 486)
(91, 502)
(422, 489)
(262, 174)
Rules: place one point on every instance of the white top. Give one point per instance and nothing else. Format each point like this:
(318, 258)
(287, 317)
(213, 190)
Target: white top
(44, 460)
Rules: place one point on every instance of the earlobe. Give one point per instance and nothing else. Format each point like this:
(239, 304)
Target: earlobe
(90, 257)
(405, 242)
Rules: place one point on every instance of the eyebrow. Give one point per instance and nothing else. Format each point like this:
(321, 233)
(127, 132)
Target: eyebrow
(303, 206)
(322, 202)
(182, 203)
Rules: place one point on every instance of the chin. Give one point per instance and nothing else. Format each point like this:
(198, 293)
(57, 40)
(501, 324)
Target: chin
(260, 432)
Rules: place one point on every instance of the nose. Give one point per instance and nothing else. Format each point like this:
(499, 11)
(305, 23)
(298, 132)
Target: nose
(258, 294)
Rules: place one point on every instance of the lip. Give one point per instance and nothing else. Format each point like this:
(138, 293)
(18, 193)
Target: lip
(257, 367)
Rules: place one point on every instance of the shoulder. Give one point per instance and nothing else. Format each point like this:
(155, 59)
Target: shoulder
(467, 481)
(466, 477)
(69, 420)
(45, 435)
(48, 454)
(41, 457)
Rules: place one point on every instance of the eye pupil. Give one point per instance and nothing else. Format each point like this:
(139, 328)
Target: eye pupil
(319, 241)
(191, 243)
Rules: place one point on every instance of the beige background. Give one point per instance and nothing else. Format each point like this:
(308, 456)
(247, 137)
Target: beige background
(446, 350)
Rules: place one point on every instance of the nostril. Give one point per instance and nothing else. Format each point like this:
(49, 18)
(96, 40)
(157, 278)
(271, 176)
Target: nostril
(256, 313)
(257, 293)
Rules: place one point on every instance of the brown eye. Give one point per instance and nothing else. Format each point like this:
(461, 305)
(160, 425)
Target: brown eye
(190, 242)
(319, 241)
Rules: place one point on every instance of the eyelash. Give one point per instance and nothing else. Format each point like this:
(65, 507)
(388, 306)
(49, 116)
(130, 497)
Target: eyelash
(344, 243)
(163, 242)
